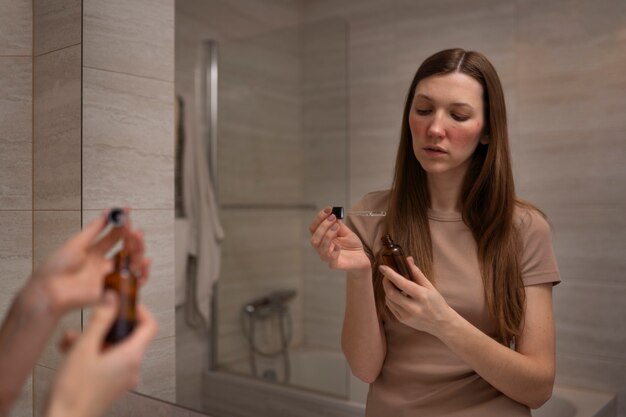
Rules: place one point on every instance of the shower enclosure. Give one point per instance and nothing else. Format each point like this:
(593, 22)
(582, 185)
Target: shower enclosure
(274, 117)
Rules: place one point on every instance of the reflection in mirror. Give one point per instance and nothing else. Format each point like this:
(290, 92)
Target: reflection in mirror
(262, 127)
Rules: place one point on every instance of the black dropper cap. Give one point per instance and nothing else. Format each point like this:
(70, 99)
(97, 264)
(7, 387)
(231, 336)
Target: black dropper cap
(338, 212)
(116, 217)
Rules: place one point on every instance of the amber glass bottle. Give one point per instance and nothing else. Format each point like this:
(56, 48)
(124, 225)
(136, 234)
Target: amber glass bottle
(124, 283)
(393, 256)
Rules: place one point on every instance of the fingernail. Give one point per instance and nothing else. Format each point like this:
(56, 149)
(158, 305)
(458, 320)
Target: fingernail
(334, 227)
(331, 218)
(327, 210)
(382, 269)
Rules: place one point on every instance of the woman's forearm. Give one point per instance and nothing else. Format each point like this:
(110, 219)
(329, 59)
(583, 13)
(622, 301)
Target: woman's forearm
(524, 378)
(362, 338)
(28, 326)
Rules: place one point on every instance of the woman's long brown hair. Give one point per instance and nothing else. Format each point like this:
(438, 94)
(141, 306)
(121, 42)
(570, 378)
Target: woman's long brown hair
(488, 197)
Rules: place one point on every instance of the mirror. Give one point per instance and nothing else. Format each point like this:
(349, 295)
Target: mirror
(270, 179)
(262, 146)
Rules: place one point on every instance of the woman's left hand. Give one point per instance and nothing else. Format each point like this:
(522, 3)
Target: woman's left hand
(416, 303)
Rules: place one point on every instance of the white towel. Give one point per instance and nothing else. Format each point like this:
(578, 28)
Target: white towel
(205, 230)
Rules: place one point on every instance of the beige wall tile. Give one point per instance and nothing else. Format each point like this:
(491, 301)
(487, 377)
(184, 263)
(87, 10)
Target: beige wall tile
(192, 361)
(24, 405)
(128, 141)
(50, 230)
(130, 37)
(236, 19)
(158, 370)
(16, 27)
(57, 130)
(568, 159)
(266, 142)
(129, 405)
(594, 372)
(16, 133)
(590, 242)
(325, 114)
(590, 318)
(43, 378)
(375, 102)
(56, 24)
(139, 405)
(158, 294)
(15, 254)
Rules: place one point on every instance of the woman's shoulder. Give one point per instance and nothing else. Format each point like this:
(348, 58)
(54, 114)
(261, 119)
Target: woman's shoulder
(374, 200)
(530, 220)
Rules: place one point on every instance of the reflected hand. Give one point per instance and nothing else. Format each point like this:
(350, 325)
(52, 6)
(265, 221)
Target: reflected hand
(417, 304)
(336, 244)
(90, 379)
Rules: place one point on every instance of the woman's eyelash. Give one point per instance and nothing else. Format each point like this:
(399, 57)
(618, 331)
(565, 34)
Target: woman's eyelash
(457, 117)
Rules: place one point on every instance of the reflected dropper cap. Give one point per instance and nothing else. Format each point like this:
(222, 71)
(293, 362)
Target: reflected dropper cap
(340, 213)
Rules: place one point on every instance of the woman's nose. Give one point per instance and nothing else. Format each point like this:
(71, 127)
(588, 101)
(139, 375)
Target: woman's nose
(436, 128)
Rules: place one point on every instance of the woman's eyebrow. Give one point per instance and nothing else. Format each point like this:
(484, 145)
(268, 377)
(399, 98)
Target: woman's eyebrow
(455, 104)
(461, 104)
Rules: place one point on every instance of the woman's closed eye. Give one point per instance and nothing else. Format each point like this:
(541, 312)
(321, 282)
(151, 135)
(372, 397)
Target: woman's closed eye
(460, 117)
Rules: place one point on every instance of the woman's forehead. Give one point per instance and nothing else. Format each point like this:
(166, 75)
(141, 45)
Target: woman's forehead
(455, 88)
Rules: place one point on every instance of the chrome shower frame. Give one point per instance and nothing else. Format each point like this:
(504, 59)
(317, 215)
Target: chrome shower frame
(206, 82)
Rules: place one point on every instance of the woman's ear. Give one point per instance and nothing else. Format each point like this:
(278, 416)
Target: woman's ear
(484, 139)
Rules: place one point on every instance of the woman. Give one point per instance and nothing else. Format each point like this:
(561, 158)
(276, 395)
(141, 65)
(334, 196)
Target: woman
(472, 333)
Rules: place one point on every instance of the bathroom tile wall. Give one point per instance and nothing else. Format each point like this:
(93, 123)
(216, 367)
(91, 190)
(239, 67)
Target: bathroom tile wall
(56, 148)
(562, 64)
(128, 148)
(16, 141)
(326, 146)
(130, 405)
(570, 154)
(255, 101)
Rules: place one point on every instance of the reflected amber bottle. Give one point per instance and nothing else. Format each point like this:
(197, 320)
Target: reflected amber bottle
(393, 257)
(124, 283)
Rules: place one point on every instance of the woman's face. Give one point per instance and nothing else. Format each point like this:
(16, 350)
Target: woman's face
(446, 121)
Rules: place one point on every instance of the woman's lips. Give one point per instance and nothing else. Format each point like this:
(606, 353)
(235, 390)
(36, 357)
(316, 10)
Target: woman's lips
(434, 151)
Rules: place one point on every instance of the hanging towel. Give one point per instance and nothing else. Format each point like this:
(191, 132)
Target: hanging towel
(205, 232)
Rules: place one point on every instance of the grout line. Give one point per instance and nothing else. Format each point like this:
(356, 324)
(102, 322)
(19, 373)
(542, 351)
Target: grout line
(82, 206)
(129, 74)
(56, 50)
(590, 357)
(32, 173)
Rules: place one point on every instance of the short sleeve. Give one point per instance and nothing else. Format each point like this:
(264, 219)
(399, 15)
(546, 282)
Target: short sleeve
(538, 262)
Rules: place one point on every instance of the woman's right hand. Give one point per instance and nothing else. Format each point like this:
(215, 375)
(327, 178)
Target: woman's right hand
(337, 245)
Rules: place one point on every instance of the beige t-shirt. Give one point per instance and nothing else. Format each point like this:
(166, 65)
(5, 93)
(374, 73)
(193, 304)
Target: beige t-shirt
(421, 376)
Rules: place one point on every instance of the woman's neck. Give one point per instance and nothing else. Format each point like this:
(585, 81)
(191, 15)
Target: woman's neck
(445, 193)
